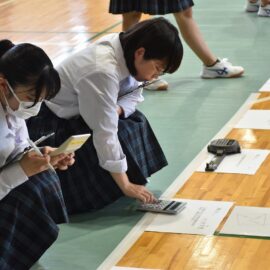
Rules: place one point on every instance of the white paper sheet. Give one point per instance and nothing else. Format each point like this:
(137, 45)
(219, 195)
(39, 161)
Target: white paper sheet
(253, 221)
(265, 87)
(199, 217)
(246, 162)
(255, 119)
(130, 268)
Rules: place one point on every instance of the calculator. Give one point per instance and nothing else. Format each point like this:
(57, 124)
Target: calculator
(163, 206)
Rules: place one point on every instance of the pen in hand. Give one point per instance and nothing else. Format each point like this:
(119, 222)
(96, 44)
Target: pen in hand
(43, 138)
(36, 149)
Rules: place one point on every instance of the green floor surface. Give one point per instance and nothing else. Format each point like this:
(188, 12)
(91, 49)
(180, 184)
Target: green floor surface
(184, 119)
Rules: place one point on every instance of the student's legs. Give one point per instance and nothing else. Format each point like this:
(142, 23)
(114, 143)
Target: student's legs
(213, 67)
(193, 37)
(130, 18)
(28, 218)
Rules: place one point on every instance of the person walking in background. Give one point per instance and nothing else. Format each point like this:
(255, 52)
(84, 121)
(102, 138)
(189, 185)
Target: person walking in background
(213, 67)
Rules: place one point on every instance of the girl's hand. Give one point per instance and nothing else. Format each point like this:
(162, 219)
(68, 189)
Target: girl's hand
(61, 161)
(66, 162)
(139, 192)
(32, 163)
(132, 190)
(119, 110)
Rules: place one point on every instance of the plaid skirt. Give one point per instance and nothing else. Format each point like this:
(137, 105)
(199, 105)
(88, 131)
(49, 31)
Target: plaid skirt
(85, 185)
(154, 7)
(28, 218)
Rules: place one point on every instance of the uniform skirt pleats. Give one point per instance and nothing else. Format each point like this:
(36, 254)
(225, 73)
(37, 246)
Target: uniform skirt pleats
(85, 185)
(28, 218)
(153, 7)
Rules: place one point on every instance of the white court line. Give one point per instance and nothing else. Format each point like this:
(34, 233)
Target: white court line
(140, 227)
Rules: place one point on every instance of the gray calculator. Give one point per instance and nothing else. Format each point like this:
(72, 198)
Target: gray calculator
(163, 206)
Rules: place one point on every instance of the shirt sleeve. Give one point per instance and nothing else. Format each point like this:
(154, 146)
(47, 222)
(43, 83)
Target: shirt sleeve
(24, 135)
(97, 95)
(129, 102)
(11, 177)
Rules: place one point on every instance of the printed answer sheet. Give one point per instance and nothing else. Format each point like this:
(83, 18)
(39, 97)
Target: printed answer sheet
(253, 221)
(246, 162)
(199, 217)
(255, 119)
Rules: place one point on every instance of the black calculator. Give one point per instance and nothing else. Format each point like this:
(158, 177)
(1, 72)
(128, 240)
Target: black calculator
(163, 206)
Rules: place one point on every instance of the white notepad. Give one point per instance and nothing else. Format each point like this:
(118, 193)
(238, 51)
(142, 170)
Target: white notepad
(199, 217)
(252, 221)
(246, 162)
(72, 144)
(265, 87)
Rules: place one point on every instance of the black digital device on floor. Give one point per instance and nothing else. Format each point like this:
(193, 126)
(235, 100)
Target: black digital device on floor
(220, 148)
(163, 206)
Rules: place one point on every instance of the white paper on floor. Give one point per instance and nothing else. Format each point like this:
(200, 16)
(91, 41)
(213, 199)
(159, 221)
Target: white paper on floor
(253, 221)
(246, 162)
(255, 119)
(265, 87)
(199, 217)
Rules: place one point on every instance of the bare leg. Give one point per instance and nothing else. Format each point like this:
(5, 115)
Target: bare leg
(193, 36)
(130, 18)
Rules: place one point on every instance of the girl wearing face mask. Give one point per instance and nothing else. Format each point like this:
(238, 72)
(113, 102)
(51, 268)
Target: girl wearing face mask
(31, 201)
(99, 94)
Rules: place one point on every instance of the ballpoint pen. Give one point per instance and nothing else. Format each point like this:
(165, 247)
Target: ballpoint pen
(43, 138)
(32, 144)
(27, 149)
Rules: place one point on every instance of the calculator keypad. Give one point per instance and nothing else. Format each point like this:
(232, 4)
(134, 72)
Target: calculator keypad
(163, 206)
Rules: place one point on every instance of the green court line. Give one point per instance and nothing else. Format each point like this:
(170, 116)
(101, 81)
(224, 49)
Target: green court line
(104, 31)
(242, 236)
(96, 35)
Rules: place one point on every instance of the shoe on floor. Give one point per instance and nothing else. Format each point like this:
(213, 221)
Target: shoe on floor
(157, 85)
(264, 11)
(222, 69)
(252, 7)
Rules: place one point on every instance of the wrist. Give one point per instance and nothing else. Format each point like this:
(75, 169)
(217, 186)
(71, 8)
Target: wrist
(121, 179)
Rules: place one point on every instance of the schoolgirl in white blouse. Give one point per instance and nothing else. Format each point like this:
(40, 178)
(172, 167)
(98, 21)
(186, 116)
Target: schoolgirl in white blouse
(31, 201)
(99, 94)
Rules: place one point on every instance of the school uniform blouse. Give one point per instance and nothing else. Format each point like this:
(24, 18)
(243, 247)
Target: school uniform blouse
(93, 82)
(13, 140)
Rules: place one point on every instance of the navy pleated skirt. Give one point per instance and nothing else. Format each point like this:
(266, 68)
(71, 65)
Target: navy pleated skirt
(28, 218)
(154, 7)
(85, 185)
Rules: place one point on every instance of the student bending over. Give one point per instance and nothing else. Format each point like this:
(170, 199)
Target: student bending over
(99, 94)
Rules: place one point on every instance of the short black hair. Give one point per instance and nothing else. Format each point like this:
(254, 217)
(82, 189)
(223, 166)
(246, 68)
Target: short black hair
(160, 40)
(28, 65)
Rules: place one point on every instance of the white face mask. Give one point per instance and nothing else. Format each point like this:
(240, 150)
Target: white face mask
(23, 110)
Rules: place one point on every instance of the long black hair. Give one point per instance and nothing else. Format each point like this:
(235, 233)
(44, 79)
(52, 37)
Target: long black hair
(28, 65)
(160, 40)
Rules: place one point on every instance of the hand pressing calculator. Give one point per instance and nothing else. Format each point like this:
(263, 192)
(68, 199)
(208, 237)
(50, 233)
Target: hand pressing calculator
(163, 206)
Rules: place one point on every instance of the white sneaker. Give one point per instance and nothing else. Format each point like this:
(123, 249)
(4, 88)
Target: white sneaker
(252, 7)
(157, 85)
(222, 69)
(264, 11)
